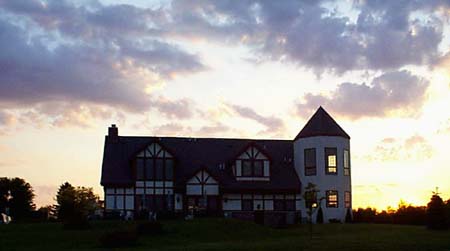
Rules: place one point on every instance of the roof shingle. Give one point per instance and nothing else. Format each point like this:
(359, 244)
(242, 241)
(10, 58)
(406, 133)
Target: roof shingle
(191, 154)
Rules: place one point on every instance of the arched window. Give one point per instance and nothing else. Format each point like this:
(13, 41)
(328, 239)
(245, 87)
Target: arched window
(154, 163)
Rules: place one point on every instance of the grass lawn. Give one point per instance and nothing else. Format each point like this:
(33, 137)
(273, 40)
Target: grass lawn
(227, 234)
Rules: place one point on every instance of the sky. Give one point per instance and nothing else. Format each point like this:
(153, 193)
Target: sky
(247, 69)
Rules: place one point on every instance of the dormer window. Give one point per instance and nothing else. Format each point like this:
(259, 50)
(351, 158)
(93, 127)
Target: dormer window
(252, 165)
(154, 163)
(252, 168)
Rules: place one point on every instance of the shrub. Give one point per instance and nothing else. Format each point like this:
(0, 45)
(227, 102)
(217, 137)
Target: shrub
(348, 216)
(151, 227)
(77, 221)
(122, 238)
(319, 218)
(333, 220)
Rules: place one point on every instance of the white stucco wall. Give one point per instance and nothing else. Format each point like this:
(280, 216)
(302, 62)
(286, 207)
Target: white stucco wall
(324, 182)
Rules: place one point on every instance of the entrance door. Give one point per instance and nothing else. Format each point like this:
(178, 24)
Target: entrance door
(213, 206)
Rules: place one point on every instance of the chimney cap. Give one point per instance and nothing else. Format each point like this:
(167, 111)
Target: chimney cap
(113, 125)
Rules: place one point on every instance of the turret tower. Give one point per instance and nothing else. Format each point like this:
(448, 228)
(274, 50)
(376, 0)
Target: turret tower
(322, 157)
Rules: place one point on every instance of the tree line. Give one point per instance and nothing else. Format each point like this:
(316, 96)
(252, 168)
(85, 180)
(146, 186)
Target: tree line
(74, 205)
(436, 214)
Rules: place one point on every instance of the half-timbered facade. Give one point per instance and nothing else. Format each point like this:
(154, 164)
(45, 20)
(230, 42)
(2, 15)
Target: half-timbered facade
(219, 176)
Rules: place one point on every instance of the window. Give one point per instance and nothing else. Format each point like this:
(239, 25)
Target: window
(310, 199)
(284, 205)
(258, 168)
(252, 168)
(347, 199)
(346, 163)
(140, 169)
(169, 169)
(247, 168)
(159, 202)
(154, 163)
(330, 161)
(170, 201)
(290, 205)
(252, 164)
(159, 169)
(310, 161)
(332, 198)
(279, 205)
(247, 205)
(149, 169)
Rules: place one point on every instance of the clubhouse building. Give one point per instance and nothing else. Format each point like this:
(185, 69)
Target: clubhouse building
(230, 177)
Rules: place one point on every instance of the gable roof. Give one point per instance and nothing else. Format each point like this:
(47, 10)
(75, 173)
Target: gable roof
(193, 153)
(321, 124)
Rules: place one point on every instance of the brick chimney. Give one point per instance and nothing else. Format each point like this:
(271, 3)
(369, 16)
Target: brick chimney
(113, 134)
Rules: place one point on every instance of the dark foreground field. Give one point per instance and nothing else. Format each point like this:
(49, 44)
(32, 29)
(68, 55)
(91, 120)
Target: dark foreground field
(224, 234)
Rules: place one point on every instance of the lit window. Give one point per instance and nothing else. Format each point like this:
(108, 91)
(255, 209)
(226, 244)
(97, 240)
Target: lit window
(347, 199)
(310, 161)
(332, 198)
(346, 163)
(330, 161)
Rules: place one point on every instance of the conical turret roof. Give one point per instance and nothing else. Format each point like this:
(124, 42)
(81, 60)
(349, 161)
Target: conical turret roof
(321, 124)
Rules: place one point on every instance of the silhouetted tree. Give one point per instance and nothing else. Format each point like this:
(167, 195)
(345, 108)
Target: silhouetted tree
(311, 203)
(447, 207)
(319, 218)
(74, 204)
(408, 214)
(20, 201)
(384, 217)
(364, 215)
(4, 188)
(436, 213)
(65, 199)
(348, 216)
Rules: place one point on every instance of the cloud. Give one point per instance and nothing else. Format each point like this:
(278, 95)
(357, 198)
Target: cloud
(6, 118)
(171, 129)
(382, 37)
(87, 59)
(93, 54)
(413, 148)
(273, 124)
(444, 127)
(216, 129)
(174, 109)
(397, 91)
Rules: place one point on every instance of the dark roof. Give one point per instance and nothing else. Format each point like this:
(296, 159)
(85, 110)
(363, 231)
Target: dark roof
(321, 124)
(191, 154)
